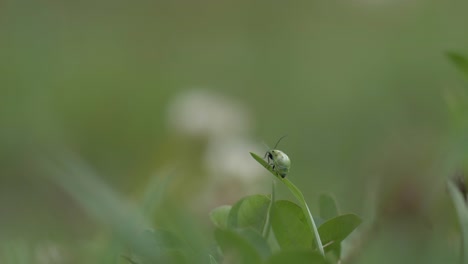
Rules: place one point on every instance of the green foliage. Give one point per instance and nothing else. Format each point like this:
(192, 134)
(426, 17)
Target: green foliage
(219, 216)
(237, 248)
(241, 235)
(251, 212)
(242, 230)
(329, 209)
(296, 256)
(290, 226)
(337, 229)
(299, 196)
(327, 206)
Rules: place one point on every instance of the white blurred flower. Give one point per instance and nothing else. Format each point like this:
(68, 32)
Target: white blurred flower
(204, 113)
(233, 172)
(230, 157)
(49, 253)
(224, 124)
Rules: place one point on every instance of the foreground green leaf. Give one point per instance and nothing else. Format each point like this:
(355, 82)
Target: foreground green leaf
(290, 226)
(329, 209)
(251, 211)
(236, 248)
(337, 229)
(257, 241)
(219, 216)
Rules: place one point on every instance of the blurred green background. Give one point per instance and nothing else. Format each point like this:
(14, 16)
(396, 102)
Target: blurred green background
(176, 93)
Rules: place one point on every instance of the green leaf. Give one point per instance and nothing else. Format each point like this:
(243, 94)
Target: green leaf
(256, 240)
(337, 229)
(296, 256)
(250, 211)
(462, 213)
(327, 206)
(329, 209)
(290, 226)
(219, 216)
(459, 61)
(235, 248)
(300, 197)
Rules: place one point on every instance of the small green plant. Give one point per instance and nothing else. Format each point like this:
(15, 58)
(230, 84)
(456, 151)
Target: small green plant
(260, 229)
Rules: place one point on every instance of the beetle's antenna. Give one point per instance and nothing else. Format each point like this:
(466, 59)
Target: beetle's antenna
(268, 148)
(279, 141)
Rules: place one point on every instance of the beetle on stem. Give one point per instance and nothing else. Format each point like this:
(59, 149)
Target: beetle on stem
(278, 160)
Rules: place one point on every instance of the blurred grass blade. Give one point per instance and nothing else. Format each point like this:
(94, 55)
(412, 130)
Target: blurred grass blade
(459, 61)
(213, 260)
(129, 260)
(299, 196)
(462, 213)
(155, 192)
(101, 202)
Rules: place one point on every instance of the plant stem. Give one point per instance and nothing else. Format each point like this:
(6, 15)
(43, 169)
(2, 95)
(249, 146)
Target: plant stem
(305, 208)
(267, 227)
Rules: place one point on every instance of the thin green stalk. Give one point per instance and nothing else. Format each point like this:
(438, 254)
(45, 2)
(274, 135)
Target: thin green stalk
(310, 219)
(267, 227)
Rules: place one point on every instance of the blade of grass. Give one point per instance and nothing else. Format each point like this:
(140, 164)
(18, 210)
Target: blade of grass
(299, 196)
(462, 213)
(155, 192)
(84, 185)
